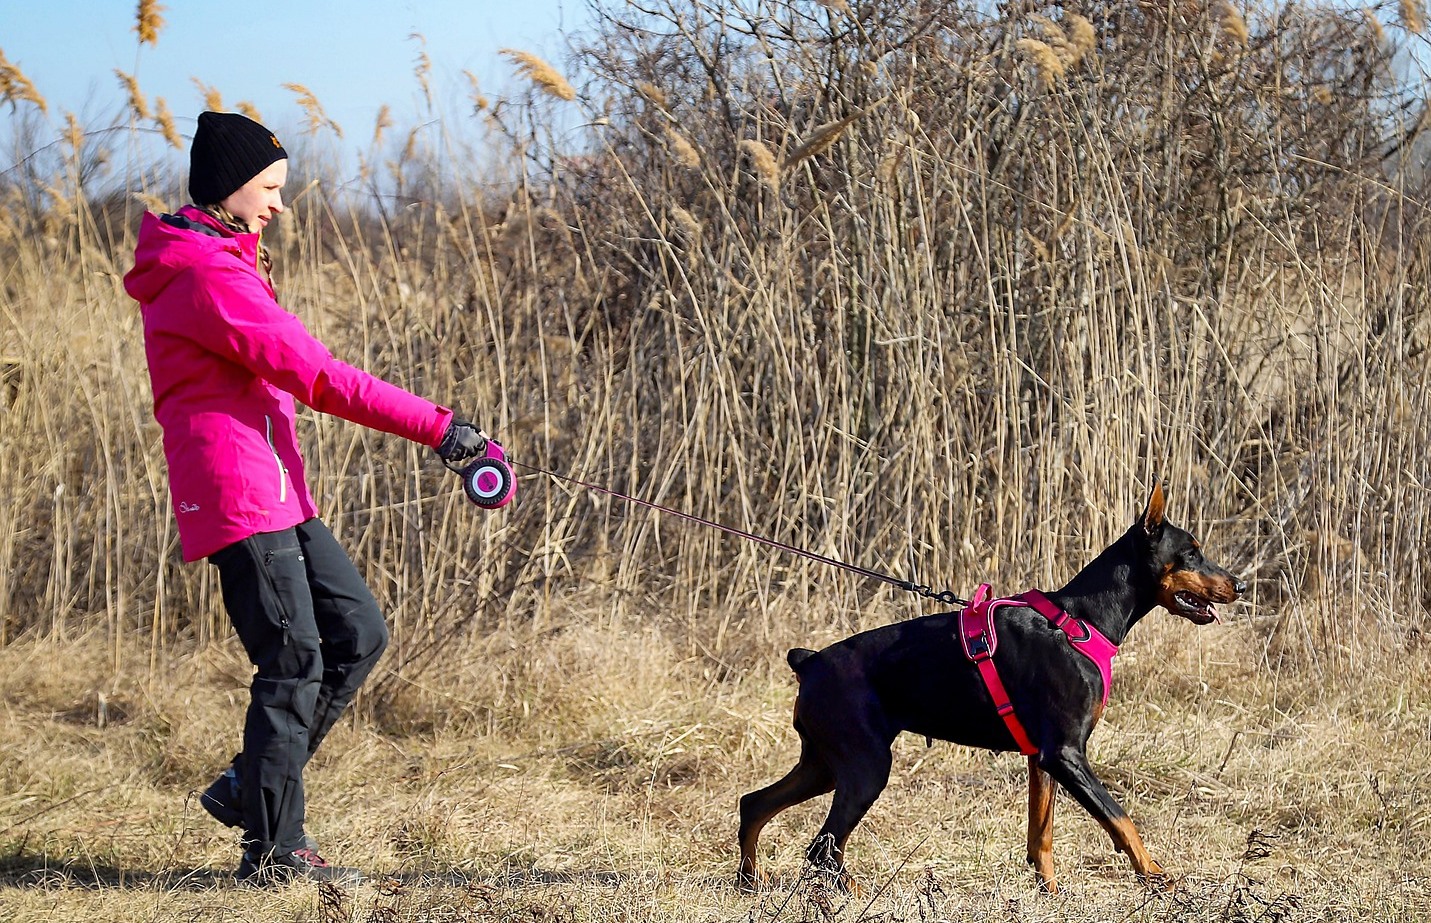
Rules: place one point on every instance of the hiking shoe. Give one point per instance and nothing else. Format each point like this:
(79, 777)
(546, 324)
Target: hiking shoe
(221, 799)
(300, 865)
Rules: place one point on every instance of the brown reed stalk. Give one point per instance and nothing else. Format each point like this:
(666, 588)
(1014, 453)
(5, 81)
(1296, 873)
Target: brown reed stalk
(972, 367)
(248, 109)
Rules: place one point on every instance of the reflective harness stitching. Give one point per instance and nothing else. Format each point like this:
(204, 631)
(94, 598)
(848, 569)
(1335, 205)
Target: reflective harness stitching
(979, 637)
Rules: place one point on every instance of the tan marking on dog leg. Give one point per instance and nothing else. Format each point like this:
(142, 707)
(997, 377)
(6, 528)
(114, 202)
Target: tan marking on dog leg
(1040, 833)
(1127, 840)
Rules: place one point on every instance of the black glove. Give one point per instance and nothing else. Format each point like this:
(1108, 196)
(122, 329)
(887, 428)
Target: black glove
(462, 441)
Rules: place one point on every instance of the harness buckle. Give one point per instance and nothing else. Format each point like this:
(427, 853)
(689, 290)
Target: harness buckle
(978, 647)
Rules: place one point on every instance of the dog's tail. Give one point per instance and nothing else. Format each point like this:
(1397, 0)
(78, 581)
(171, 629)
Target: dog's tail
(797, 656)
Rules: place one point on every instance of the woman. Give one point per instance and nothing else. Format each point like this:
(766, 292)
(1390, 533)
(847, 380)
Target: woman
(226, 362)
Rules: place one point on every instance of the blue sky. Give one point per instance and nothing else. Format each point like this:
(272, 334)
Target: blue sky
(355, 55)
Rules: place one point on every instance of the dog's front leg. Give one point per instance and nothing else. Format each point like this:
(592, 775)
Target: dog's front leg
(1040, 842)
(1070, 767)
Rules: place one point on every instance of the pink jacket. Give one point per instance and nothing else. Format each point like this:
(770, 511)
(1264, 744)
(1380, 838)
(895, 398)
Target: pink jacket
(226, 362)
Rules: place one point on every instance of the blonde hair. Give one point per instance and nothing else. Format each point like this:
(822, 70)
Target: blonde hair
(233, 223)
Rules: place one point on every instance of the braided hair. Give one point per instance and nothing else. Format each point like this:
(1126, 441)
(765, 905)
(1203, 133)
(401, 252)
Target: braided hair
(226, 218)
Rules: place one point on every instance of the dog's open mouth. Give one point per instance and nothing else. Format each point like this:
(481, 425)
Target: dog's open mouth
(1196, 609)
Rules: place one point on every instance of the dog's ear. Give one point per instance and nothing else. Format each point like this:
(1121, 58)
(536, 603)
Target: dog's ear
(1152, 518)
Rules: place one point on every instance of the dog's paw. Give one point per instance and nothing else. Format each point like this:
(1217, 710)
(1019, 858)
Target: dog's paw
(751, 881)
(851, 887)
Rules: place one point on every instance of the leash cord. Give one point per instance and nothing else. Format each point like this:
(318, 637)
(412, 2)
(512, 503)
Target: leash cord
(945, 596)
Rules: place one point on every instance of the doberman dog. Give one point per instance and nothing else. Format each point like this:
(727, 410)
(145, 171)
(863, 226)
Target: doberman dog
(858, 694)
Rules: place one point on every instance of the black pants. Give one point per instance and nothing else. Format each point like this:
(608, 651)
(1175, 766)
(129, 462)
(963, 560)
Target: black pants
(313, 632)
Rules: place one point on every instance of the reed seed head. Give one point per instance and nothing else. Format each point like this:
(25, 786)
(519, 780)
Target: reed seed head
(1413, 15)
(383, 122)
(1049, 65)
(165, 120)
(148, 21)
(316, 118)
(653, 95)
(1232, 25)
(137, 103)
(763, 162)
(682, 151)
(474, 92)
(823, 137)
(213, 101)
(540, 73)
(1081, 35)
(16, 88)
(686, 222)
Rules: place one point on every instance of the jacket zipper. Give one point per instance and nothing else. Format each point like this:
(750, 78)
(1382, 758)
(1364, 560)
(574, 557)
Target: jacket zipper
(282, 471)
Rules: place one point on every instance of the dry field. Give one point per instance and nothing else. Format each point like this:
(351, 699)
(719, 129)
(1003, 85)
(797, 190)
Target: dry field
(588, 771)
(936, 290)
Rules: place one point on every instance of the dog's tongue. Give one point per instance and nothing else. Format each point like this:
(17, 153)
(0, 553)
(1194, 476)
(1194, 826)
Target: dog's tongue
(1212, 611)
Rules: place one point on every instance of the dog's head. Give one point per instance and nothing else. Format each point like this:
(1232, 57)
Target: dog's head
(1188, 584)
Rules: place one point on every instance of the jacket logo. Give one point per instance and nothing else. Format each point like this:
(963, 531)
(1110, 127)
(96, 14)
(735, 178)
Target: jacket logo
(187, 507)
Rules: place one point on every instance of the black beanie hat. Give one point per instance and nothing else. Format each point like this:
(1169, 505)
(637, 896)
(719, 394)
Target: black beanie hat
(228, 151)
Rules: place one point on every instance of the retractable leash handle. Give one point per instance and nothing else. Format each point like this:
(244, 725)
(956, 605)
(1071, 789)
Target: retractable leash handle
(487, 480)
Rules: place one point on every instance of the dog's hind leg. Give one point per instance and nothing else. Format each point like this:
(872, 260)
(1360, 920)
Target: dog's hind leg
(1070, 767)
(809, 778)
(860, 777)
(1040, 839)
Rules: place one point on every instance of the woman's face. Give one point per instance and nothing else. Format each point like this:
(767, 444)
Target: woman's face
(260, 200)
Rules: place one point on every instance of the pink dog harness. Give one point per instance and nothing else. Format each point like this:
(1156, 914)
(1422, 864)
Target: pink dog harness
(979, 636)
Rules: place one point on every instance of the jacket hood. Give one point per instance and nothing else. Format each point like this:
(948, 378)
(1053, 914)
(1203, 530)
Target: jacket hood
(170, 244)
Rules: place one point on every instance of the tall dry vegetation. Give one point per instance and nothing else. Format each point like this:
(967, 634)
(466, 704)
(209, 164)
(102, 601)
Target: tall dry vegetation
(933, 291)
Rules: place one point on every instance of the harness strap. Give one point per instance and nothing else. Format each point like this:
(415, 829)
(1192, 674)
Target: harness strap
(1086, 639)
(979, 637)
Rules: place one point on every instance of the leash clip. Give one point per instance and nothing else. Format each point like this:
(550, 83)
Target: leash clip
(944, 596)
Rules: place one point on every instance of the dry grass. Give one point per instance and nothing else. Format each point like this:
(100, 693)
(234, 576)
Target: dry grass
(589, 771)
(953, 336)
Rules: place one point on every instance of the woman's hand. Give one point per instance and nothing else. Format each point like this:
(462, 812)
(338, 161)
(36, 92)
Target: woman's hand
(461, 442)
